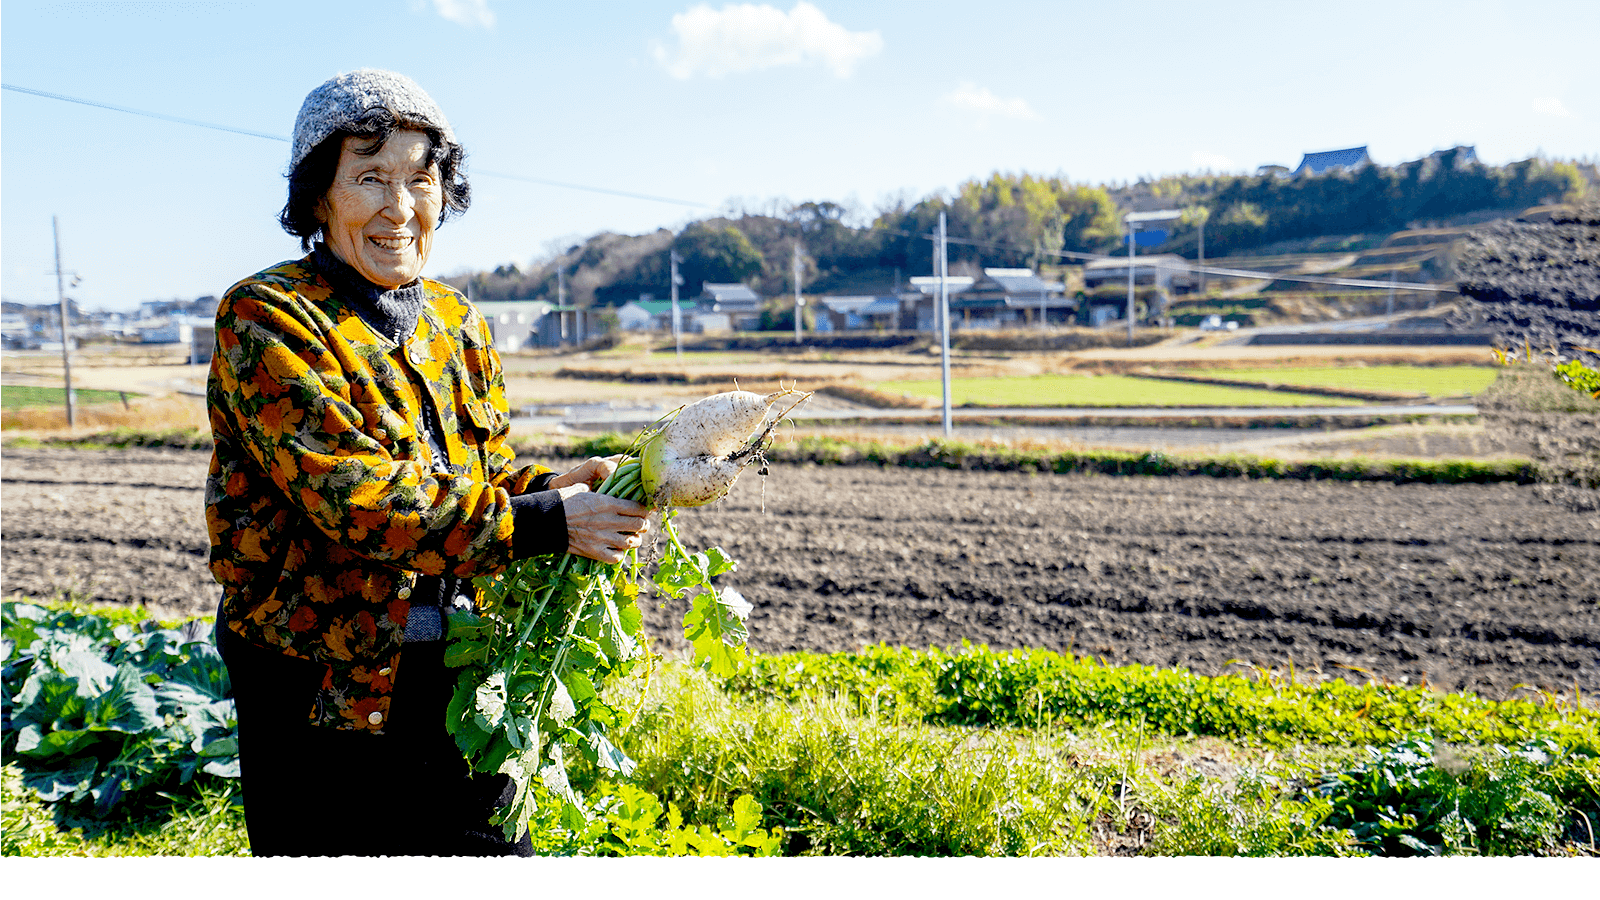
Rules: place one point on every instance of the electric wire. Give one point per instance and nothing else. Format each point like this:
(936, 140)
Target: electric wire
(278, 137)
(1066, 254)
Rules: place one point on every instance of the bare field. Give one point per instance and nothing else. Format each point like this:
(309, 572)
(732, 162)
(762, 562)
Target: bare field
(1484, 588)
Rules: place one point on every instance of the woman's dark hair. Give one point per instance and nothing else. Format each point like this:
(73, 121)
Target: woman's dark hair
(310, 180)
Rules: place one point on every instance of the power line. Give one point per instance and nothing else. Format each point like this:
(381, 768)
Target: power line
(593, 190)
(278, 137)
(147, 114)
(1068, 254)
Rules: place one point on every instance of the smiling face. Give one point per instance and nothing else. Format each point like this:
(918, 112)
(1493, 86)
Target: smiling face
(380, 212)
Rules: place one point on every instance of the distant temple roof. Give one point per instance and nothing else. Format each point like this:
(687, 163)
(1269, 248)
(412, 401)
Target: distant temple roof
(1321, 163)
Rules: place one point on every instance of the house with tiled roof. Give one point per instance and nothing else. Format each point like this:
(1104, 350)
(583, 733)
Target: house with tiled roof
(737, 302)
(1011, 298)
(1327, 161)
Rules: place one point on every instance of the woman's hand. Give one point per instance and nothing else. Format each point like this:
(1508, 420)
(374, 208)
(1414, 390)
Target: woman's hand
(591, 472)
(600, 527)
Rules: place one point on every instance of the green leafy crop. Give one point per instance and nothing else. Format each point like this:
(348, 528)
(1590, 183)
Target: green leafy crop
(536, 657)
(97, 712)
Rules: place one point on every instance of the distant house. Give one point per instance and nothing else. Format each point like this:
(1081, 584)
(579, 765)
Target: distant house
(15, 331)
(646, 314)
(1275, 171)
(1163, 270)
(165, 330)
(858, 312)
(738, 303)
(515, 324)
(1010, 298)
(1350, 160)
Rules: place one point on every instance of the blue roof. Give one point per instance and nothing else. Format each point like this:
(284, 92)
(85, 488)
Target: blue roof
(1320, 163)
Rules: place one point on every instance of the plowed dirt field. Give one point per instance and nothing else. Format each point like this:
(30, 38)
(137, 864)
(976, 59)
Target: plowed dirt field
(1474, 587)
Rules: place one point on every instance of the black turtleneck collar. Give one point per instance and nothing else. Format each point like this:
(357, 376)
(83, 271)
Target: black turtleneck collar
(392, 313)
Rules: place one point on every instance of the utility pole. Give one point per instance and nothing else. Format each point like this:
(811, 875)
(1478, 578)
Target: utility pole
(66, 331)
(677, 321)
(944, 319)
(1131, 228)
(561, 301)
(799, 301)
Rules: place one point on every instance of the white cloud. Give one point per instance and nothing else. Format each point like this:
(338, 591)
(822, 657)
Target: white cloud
(972, 98)
(747, 37)
(1551, 106)
(465, 12)
(1216, 162)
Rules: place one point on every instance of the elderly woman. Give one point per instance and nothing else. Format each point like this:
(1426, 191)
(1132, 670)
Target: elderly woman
(360, 481)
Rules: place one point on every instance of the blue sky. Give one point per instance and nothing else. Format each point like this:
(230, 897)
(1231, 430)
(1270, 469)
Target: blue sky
(722, 104)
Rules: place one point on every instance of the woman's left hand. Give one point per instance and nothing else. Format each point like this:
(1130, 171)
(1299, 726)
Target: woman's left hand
(592, 472)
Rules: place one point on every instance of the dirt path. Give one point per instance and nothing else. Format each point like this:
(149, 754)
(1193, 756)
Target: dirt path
(1474, 587)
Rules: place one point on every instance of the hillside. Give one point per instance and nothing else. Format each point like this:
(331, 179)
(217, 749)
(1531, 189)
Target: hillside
(1403, 222)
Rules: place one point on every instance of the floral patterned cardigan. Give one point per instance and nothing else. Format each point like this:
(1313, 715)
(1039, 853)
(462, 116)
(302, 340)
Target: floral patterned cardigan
(323, 503)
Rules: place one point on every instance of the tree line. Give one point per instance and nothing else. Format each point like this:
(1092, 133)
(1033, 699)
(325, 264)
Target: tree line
(1021, 220)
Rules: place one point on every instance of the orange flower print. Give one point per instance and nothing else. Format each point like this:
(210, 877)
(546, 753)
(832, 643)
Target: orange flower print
(397, 611)
(313, 502)
(360, 713)
(350, 582)
(338, 636)
(250, 545)
(403, 534)
(238, 483)
(317, 589)
(303, 619)
(429, 563)
(281, 417)
(264, 384)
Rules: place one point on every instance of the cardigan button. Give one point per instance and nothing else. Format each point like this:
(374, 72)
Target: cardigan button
(418, 354)
(405, 592)
(385, 671)
(375, 718)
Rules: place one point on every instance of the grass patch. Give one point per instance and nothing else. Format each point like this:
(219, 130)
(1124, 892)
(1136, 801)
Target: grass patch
(122, 439)
(24, 396)
(979, 687)
(1100, 391)
(209, 824)
(941, 454)
(1434, 381)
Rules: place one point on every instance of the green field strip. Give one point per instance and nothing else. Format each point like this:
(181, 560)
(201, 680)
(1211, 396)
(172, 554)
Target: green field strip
(1101, 391)
(1434, 381)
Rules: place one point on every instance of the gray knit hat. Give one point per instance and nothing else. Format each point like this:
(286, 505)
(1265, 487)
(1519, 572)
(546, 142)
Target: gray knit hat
(343, 100)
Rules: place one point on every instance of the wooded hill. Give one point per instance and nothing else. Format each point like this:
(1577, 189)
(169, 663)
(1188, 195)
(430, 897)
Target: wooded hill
(1025, 220)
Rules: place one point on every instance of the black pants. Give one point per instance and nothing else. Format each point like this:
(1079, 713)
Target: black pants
(317, 791)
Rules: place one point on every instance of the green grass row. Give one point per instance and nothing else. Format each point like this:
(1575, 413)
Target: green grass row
(942, 454)
(22, 396)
